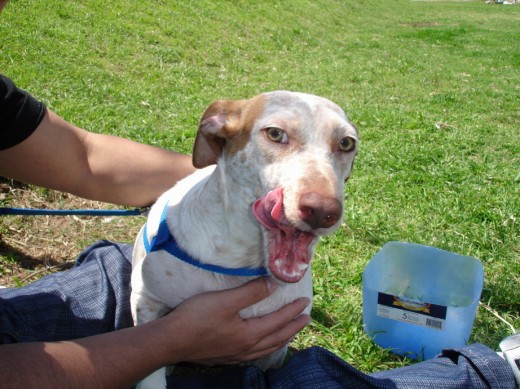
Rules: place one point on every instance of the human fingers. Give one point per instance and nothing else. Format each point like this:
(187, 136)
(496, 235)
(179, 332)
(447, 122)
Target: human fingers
(249, 293)
(279, 320)
(265, 346)
(231, 339)
(278, 339)
(270, 332)
(279, 333)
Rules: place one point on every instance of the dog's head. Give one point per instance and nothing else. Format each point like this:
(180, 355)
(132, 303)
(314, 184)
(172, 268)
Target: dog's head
(293, 152)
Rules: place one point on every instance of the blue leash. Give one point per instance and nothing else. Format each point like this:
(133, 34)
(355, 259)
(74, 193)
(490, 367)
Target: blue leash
(77, 212)
(162, 241)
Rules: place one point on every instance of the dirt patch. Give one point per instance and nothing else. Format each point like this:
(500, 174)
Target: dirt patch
(32, 246)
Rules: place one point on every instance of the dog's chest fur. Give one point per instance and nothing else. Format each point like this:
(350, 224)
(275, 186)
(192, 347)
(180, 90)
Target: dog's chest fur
(212, 234)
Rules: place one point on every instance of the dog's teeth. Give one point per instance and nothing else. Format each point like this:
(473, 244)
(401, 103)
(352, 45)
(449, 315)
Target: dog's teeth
(303, 266)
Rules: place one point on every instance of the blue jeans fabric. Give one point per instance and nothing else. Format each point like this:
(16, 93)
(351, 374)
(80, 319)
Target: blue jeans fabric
(474, 366)
(93, 298)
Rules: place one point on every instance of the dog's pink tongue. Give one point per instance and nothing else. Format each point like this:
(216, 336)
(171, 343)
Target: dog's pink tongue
(269, 209)
(289, 253)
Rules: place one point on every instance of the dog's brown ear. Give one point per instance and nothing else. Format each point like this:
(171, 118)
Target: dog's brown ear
(219, 122)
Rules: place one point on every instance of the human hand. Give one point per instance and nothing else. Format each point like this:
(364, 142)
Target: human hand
(210, 330)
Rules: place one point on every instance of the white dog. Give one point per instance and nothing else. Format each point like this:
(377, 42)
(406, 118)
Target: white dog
(282, 159)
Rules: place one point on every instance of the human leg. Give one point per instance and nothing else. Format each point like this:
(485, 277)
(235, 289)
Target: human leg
(88, 299)
(474, 366)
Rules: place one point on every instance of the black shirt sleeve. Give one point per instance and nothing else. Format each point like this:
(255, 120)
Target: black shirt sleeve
(20, 114)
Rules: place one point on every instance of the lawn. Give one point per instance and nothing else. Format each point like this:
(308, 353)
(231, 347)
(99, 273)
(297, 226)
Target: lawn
(433, 86)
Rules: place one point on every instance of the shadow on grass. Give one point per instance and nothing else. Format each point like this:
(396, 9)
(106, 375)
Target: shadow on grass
(29, 262)
(17, 268)
(322, 317)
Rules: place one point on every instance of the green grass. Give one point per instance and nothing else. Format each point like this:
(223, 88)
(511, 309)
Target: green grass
(434, 88)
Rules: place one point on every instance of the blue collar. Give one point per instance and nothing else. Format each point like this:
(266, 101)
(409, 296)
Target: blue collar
(165, 241)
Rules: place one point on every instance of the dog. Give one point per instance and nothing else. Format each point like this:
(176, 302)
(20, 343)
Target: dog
(271, 180)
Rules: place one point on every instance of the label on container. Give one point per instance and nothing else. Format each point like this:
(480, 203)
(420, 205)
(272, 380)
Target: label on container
(411, 311)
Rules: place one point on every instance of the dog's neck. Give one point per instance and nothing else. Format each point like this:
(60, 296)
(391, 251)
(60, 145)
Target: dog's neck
(218, 212)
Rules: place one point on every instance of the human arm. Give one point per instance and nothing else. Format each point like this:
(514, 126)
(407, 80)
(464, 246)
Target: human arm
(205, 329)
(59, 155)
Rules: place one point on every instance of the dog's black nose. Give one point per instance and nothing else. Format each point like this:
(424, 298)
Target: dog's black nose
(319, 211)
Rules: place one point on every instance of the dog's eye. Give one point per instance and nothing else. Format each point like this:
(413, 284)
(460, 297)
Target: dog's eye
(347, 144)
(276, 134)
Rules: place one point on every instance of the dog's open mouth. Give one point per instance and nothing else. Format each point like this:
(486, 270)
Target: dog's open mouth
(289, 251)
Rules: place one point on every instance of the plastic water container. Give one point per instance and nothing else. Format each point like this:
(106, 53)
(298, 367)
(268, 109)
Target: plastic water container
(419, 300)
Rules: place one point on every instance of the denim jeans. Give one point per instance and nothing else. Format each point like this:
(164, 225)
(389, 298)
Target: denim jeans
(93, 298)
